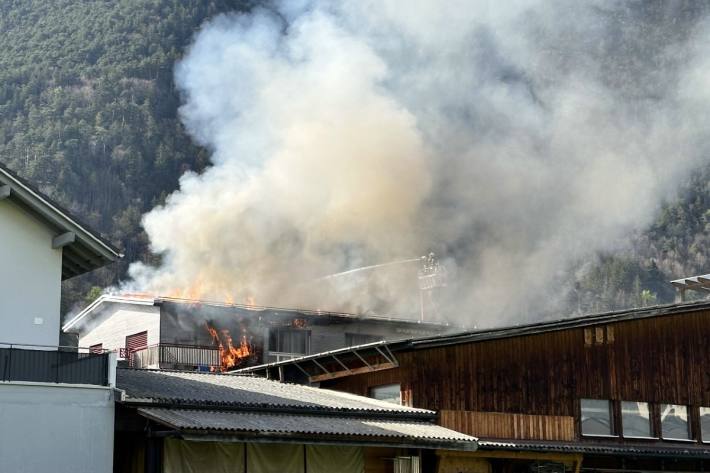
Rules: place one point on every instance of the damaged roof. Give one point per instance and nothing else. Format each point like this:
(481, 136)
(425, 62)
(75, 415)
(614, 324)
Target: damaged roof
(83, 249)
(206, 406)
(307, 362)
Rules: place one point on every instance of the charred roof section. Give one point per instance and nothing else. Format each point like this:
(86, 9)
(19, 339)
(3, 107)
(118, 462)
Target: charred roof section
(382, 355)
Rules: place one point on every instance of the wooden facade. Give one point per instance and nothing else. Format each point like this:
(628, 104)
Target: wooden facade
(655, 359)
(501, 425)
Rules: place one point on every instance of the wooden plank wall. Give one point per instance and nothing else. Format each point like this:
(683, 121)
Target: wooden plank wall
(662, 359)
(499, 425)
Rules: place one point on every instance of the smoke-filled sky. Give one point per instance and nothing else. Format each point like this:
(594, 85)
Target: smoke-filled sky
(514, 139)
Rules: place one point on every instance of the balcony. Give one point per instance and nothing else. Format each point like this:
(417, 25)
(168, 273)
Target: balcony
(177, 357)
(52, 364)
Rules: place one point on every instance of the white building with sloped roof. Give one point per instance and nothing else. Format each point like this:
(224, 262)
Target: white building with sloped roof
(56, 403)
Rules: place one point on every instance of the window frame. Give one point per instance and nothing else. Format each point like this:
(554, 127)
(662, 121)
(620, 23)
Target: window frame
(700, 424)
(612, 431)
(688, 422)
(371, 390)
(279, 332)
(651, 434)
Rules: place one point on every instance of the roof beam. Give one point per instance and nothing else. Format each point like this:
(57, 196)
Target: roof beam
(5, 191)
(71, 259)
(60, 241)
(339, 374)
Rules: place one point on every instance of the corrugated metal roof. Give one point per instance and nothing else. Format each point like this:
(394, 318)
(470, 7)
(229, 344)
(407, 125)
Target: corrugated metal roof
(206, 389)
(682, 451)
(288, 424)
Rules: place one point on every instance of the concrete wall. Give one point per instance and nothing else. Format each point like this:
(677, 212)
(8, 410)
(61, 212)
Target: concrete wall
(116, 321)
(30, 279)
(56, 428)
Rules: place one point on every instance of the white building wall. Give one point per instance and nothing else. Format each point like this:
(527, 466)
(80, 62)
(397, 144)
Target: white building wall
(30, 279)
(56, 428)
(115, 321)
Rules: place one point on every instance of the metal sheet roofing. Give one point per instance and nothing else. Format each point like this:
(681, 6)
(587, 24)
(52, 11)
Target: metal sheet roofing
(650, 450)
(84, 249)
(225, 423)
(206, 389)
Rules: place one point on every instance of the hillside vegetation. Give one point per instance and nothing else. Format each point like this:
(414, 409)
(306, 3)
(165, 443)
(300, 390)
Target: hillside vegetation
(88, 112)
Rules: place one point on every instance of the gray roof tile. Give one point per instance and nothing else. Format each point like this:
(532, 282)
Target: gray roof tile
(274, 424)
(207, 389)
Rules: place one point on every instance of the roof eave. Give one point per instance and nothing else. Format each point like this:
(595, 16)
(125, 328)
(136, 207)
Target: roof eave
(344, 440)
(104, 299)
(83, 249)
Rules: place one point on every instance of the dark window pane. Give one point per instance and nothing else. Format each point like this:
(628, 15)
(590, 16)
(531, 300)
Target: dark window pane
(596, 417)
(636, 419)
(674, 422)
(288, 341)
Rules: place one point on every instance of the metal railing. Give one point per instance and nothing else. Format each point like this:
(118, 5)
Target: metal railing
(53, 364)
(276, 356)
(175, 356)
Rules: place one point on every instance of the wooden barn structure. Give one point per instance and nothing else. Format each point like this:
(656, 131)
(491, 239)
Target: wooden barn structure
(619, 391)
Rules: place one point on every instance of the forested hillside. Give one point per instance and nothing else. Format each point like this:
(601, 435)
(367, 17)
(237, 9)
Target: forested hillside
(88, 109)
(88, 112)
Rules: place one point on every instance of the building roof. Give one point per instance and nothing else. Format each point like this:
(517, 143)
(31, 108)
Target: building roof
(205, 405)
(698, 283)
(626, 449)
(189, 389)
(95, 308)
(403, 432)
(309, 363)
(84, 249)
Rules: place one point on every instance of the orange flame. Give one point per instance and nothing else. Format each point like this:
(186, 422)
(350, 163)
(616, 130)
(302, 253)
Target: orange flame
(230, 356)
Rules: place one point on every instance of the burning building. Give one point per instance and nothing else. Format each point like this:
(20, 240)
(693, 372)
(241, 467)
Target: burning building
(171, 333)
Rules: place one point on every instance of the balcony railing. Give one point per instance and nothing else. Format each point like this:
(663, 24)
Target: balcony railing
(175, 356)
(52, 364)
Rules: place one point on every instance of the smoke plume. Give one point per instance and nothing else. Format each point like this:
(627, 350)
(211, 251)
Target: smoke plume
(514, 139)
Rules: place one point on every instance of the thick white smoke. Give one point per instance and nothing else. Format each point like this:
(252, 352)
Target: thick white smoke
(512, 138)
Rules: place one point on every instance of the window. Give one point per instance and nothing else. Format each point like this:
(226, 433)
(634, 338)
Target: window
(136, 341)
(596, 417)
(674, 422)
(387, 392)
(636, 419)
(96, 349)
(355, 339)
(286, 340)
(407, 465)
(705, 424)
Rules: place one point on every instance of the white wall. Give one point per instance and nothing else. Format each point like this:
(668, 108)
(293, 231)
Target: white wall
(112, 322)
(56, 428)
(30, 279)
